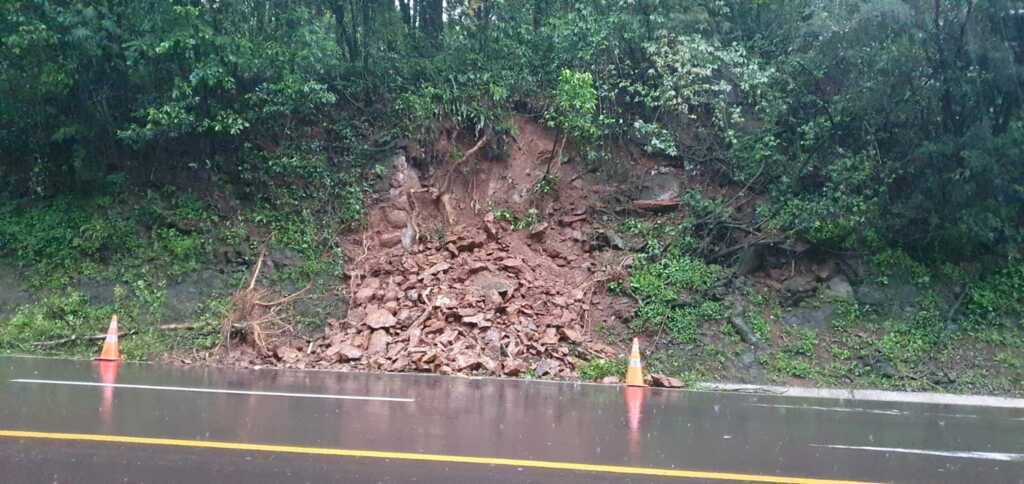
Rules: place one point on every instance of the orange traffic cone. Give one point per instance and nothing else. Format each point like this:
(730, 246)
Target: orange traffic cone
(635, 372)
(111, 348)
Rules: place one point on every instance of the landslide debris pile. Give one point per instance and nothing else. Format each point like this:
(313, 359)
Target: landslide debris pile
(437, 284)
(467, 304)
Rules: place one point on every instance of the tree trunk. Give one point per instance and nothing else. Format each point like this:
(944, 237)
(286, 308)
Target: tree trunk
(539, 9)
(403, 7)
(353, 33)
(342, 36)
(431, 18)
(367, 31)
(943, 66)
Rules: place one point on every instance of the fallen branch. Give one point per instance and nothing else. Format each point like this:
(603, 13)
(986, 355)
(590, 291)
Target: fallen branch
(656, 205)
(95, 337)
(762, 241)
(556, 154)
(472, 151)
(286, 298)
(243, 303)
(256, 272)
(747, 186)
(175, 327)
(122, 334)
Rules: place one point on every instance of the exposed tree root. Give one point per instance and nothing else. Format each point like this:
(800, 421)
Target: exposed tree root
(252, 320)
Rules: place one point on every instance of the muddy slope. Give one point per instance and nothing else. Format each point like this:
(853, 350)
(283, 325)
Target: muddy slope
(439, 283)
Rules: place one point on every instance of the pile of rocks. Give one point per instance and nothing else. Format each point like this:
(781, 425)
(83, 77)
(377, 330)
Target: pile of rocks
(476, 302)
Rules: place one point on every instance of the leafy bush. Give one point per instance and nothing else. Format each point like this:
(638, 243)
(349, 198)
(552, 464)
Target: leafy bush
(573, 106)
(54, 317)
(671, 292)
(861, 140)
(997, 300)
(693, 75)
(595, 370)
(62, 238)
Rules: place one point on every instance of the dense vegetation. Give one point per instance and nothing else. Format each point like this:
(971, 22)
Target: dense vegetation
(871, 126)
(869, 121)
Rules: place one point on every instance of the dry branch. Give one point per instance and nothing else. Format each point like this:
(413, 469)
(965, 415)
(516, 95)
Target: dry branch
(286, 299)
(95, 337)
(255, 314)
(472, 151)
(656, 205)
(122, 334)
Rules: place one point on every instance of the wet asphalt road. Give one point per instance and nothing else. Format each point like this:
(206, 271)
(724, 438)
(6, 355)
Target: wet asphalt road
(756, 436)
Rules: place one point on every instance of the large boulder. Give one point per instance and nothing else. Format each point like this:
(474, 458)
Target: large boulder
(810, 317)
(660, 186)
(838, 288)
(894, 295)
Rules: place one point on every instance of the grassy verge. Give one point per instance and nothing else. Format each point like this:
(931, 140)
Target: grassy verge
(956, 328)
(160, 257)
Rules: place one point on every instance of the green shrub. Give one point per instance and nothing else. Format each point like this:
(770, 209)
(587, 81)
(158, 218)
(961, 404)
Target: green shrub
(917, 338)
(573, 106)
(997, 300)
(595, 370)
(661, 287)
(54, 317)
(895, 262)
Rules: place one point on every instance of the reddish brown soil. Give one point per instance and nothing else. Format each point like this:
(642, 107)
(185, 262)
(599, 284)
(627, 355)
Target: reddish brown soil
(452, 290)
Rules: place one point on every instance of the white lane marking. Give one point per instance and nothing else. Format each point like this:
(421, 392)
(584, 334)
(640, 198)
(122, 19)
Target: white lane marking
(864, 410)
(951, 415)
(831, 409)
(952, 453)
(215, 390)
(871, 395)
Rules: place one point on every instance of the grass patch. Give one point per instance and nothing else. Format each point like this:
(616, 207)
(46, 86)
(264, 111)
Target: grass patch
(518, 222)
(68, 314)
(85, 258)
(795, 357)
(914, 340)
(998, 300)
(672, 295)
(596, 370)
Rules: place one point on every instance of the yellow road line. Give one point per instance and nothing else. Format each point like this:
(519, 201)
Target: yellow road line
(457, 459)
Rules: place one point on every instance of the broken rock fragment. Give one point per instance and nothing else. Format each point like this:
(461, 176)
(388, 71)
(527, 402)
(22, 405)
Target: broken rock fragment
(478, 320)
(437, 268)
(343, 352)
(378, 342)
(664, 381)
(547, 367)
(465, 361)
(572, 335)
(513, 367)
(380, 318)
(363, 295)
(550, 337)
(288, 354)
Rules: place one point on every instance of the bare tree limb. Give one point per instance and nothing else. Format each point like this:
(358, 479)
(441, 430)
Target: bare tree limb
(95, 337)
(472, 151)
